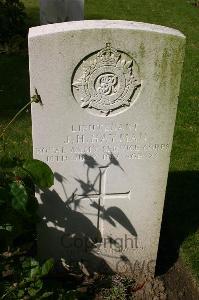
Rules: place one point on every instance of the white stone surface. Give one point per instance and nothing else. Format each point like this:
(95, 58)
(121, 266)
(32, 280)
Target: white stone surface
(57, 11)
(109, 91)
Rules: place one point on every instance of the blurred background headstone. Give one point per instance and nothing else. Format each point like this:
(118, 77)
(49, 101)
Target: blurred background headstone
(57, 11)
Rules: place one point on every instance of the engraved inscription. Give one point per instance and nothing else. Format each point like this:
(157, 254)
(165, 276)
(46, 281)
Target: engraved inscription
(100, 140)
(107, 82)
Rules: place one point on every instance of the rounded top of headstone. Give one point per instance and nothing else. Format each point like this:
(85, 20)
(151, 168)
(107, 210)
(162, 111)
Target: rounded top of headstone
(96, 24)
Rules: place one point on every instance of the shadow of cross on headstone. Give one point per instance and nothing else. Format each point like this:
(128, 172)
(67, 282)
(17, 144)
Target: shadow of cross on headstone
(98, 199)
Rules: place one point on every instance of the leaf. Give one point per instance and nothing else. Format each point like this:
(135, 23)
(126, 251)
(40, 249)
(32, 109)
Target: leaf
(32, 292)
(47, 266)
(36, 97)
(35, 271)
(20, 294)
(40, 172)
(31, 267)
(20, 199)
(46, 295)
(38, 284)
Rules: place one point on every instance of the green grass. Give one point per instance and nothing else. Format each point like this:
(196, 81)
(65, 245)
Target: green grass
(32, 9)
(190, 254)
(17, 139)
(181, 217)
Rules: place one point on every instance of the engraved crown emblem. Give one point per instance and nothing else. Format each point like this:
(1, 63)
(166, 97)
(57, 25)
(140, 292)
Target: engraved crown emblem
(108, 56)
(106, 82)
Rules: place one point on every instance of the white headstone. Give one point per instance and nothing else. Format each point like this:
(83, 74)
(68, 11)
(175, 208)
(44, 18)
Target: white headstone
(57, 11)
(109, 91)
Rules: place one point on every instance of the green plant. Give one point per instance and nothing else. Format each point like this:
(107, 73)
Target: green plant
(21, 275)
(27, 278)
(120, 288)
(17, 200)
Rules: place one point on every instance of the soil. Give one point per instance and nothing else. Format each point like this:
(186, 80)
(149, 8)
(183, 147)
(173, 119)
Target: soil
(180, 284)
(177, 284)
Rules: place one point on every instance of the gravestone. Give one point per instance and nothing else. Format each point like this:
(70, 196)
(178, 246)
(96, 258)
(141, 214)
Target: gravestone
(109, 93)
(57, 11)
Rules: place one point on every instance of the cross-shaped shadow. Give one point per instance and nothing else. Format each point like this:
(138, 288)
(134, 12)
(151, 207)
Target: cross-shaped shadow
(65, 226)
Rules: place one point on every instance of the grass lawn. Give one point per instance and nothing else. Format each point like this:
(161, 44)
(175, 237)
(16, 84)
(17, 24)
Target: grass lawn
(181, 217)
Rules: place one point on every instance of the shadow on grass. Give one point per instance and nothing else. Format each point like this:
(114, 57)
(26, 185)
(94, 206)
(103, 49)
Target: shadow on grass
(14, 77)
(180, 217)
(14, 83)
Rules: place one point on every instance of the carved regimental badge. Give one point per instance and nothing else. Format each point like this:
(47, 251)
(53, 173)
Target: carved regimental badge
(106, 82)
